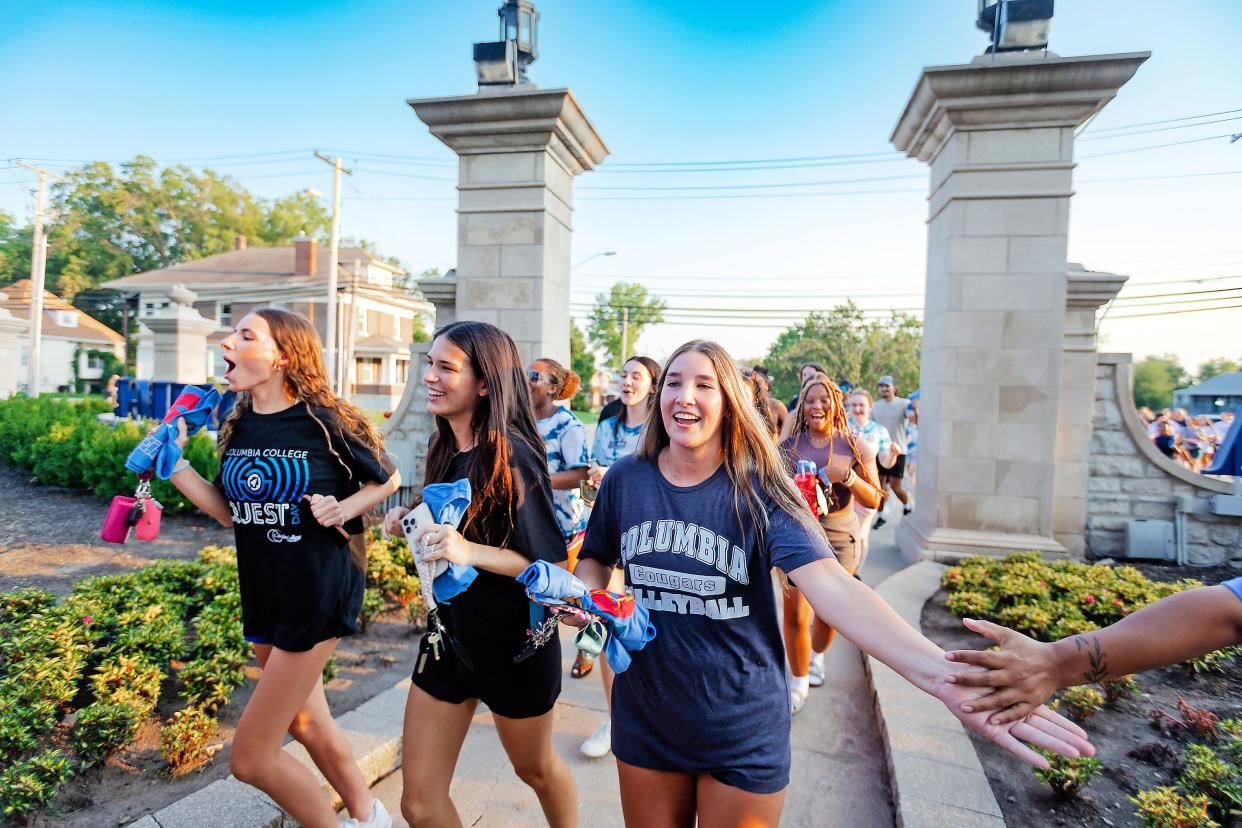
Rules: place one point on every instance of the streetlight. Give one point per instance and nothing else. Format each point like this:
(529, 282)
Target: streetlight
(594, 256)
(504, 62)
(1015, 25)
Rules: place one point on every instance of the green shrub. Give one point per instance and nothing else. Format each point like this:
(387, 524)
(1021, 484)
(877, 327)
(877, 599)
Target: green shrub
(31, 784)
(372, 606)
(967, 603)
(1219, 661)
(390, 568)
(1122, 688)
(1081, 702)
(1168, 808)
(128, 680)
(63, 444)
(103, 727)
(1205, 773)
(1067, 776)
(183, 741)
(209, 683)
(1231, 744)
(330, 669)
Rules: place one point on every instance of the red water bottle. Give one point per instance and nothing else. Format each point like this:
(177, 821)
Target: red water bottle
(186, 401)
(804, 479)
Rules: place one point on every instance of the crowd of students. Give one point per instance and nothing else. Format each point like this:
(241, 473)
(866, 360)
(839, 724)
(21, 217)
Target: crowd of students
(685, 499)
(1188, 440)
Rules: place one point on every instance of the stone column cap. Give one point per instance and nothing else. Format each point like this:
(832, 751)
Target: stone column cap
(181, 324)
(521, 120)
(1037, 91)
(1089, 289)
(440, 291)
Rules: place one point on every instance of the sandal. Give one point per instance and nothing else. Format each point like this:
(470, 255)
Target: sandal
(583, 665)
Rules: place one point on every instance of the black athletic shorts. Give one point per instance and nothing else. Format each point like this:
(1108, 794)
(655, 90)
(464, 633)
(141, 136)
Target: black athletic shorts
(515, 691)
(898, 470)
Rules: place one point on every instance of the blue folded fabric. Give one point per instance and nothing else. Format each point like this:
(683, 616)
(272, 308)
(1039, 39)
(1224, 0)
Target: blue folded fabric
(448, 503)
(158, 452)
(550, 584)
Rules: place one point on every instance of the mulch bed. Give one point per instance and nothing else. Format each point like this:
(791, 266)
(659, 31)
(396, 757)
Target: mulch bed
(1118, 731)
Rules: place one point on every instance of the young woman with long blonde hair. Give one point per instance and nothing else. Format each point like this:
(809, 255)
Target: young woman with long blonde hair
(299, 467)
(698, 516)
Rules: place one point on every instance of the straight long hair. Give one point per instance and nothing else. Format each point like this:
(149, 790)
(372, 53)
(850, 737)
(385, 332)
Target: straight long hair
(653, 368)
(505, 413)
(751, 460)
(306, 380)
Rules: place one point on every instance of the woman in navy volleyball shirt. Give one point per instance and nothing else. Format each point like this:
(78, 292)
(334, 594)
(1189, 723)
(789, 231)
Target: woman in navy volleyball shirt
(697, 517)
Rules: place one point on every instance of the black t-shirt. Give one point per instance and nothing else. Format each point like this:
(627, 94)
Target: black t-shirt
(488, 622)
(612, 409)
(299, 584)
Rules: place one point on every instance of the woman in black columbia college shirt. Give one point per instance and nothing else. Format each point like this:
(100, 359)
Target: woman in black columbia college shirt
(299, 466)
(485, 431)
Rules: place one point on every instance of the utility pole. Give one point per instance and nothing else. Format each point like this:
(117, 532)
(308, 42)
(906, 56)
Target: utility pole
(349, 337)
(625, 335)
(38, 268)
(334, 250)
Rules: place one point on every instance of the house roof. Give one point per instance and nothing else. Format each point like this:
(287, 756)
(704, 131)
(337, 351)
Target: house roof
(1221, 385)
(89, 329)
(250, 267)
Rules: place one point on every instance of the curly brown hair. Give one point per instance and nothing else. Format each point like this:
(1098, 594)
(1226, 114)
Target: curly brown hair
(306, 381)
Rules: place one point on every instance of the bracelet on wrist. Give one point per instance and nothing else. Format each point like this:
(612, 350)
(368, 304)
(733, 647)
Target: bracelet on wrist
(181, 466)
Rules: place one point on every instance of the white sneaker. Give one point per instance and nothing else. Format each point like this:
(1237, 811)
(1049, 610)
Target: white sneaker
(379, 818)
(599, 743)
(815, 674)
(796, 700)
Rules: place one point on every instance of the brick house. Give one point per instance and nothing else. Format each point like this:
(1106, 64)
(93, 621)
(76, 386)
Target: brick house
(376, 317)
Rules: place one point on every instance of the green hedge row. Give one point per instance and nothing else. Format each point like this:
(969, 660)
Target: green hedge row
(63, 444)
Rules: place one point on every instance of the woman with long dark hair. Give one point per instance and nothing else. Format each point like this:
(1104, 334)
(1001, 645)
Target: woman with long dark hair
(617, 437)
(698, 516)
(299, 467)
(484, 432)
(820, 433)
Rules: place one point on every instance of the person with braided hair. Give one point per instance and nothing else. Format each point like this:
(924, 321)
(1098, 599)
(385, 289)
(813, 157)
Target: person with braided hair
(819, 431)
(299, 467)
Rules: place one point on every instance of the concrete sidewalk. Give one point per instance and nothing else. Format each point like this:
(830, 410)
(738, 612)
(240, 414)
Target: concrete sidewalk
(838, 780)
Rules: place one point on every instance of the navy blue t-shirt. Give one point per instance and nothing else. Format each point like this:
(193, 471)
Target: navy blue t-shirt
(708, 694)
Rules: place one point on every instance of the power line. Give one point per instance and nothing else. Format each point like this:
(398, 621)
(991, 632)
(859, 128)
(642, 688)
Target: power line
(1182, 293)
(1156, 146)
(1170, 120)
(1160, 129)
(761, 186)
(1168, 302)
(1173, 312)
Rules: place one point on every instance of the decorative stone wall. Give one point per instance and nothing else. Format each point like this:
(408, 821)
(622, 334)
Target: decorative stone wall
(1129, 478)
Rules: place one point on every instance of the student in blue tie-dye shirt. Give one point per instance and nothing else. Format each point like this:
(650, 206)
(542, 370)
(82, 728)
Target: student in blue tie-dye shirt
(564, 440)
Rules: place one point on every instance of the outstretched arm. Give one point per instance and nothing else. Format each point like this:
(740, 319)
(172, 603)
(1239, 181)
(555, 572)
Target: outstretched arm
(862, 617)
(1173, 629)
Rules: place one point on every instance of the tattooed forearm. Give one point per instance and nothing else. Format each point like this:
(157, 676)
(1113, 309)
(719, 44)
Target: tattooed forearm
(1096, 658)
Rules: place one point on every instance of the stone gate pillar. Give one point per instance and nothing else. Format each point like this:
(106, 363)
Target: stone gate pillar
(998, 134)
(519, 150)
(179, 336)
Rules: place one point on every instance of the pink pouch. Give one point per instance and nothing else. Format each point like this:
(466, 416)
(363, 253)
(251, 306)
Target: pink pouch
(148, 526)
(116, 522)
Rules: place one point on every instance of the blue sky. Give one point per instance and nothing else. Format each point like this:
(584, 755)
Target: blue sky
(662, 81)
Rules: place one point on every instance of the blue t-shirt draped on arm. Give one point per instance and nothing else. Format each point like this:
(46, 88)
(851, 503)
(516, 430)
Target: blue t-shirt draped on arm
(1235, 585)
(708, 694)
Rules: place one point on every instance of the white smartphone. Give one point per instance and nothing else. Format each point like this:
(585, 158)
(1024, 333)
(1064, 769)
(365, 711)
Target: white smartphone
(419, 517)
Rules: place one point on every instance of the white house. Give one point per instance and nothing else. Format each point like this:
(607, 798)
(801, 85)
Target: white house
(376, 319)
(68, 335)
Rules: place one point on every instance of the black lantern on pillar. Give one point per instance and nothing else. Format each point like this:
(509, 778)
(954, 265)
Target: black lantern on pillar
(504, 62)
(1015, 25)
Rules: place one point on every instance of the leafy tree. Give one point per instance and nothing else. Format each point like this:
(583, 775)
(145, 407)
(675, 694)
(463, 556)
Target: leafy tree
(582, 362)
(1155, 380)
(111, 222)
(851, 346)
(1216, 367)
(610, 314)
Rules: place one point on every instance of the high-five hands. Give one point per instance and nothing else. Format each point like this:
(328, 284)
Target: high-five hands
(1040, 727)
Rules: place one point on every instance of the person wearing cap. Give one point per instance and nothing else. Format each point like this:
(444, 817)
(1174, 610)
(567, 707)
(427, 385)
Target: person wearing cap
(891, 412)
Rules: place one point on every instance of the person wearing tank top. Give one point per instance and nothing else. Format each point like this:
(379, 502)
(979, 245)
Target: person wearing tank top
(819, 432)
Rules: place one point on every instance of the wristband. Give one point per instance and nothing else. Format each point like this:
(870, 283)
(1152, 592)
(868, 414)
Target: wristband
(850, 479)
(181, 466)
